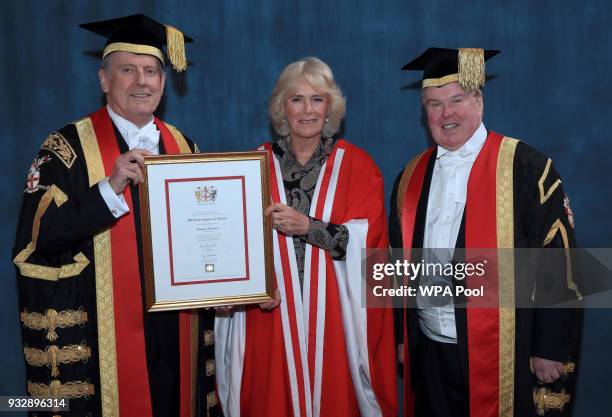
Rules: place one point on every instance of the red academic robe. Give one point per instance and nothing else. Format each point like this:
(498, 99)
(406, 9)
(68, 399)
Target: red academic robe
(319, 354)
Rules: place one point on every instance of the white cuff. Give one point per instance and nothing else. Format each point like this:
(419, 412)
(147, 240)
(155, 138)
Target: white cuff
(115, 202)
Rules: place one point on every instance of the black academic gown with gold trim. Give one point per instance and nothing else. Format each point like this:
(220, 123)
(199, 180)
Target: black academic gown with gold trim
(542, 218)
(56, 274)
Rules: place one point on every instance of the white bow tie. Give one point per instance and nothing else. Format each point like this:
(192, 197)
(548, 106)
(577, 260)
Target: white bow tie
(462, 156)
(145, 138)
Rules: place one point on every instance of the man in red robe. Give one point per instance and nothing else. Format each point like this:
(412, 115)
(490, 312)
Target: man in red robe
(87, 336)
(477, 189)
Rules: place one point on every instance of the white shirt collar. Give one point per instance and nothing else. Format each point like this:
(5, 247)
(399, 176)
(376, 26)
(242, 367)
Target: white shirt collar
(469, 149)
(123, 124)
(146, 137)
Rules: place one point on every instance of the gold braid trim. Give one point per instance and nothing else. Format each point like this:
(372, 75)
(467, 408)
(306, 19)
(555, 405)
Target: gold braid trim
(546, 400)
(439, 82)
(53, 194)
(180, 139)
(404, 181)
(559, 227)
(52, 320)
(53, 356)
(56, 390)
(505, 242)
(109, 392)
(48, 273)
(91, 150)
(545, 195)
(107, 343)
(133, 48)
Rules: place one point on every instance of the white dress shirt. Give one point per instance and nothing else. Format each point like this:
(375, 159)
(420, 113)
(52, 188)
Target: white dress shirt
(447, 197)
(146, 137)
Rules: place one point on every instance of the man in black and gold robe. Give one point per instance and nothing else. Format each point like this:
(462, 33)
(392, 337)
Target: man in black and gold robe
(87, 335)
(489, 194)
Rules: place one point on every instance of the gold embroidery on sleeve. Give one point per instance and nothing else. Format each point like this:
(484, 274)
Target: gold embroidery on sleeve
(53, 194)
(558, 227)
(60, 147)
(57, 196)
(48, 273)
(544, 196)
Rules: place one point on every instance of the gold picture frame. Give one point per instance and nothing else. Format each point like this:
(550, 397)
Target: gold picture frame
(206, 241)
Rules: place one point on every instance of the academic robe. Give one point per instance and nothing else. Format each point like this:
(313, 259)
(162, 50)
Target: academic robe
(319, 353)
(515, 199)
(86, 334)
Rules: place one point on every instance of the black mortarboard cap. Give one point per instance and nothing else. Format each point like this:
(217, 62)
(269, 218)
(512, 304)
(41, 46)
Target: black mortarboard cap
(140, 34)
(442, 66)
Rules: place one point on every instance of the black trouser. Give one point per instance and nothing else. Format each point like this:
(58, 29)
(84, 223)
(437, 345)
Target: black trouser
(442, 388)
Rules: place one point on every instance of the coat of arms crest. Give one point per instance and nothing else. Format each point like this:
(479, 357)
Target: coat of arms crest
(206, 194)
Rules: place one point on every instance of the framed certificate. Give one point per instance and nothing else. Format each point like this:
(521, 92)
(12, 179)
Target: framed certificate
(205, 238)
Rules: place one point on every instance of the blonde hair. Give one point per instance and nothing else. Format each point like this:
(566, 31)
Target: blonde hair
(316, 73)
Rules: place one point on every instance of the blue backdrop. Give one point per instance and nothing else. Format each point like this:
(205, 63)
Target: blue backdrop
(551, 87)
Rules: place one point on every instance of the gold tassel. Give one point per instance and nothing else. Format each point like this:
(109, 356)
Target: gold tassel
(55, 387)
(176, 48)
(52, 317)
(52, 351)
(471, 68)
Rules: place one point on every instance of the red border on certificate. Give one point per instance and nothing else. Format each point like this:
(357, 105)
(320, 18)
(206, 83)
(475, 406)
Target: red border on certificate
(246, 240)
